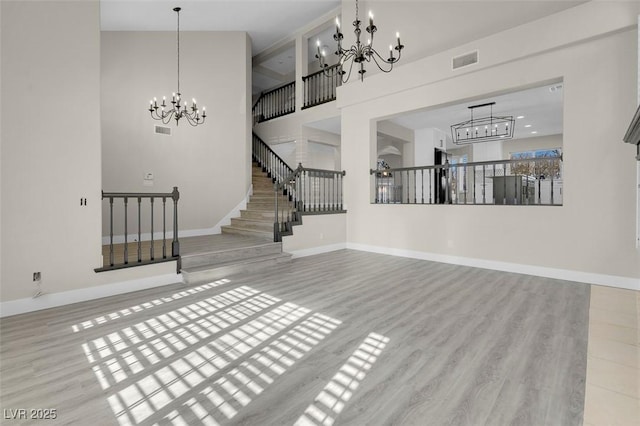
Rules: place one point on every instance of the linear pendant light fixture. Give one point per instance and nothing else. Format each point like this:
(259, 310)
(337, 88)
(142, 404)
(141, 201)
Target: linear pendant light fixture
(191, 114)
(483, 129)
(360, 52)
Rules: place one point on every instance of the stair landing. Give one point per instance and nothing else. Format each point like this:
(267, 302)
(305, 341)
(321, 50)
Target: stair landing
(211, 257)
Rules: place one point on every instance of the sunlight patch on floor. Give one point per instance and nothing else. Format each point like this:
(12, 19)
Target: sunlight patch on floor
(205, 360)
(331, 400)
(146, 305)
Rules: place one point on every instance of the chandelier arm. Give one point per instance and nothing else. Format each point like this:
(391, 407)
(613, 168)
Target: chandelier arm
(385, 61)
(344, 80)
(375, 60)
(167, 118)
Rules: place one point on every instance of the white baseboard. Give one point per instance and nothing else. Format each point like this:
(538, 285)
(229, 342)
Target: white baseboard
(317, 250)
(540, 271)
(216, 229)
(46, 301)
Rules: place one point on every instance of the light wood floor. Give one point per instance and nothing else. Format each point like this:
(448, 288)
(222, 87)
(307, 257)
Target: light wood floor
(188, 246)
(341, 338)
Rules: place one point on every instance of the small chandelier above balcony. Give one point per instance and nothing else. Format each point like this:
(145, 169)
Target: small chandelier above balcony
(483, 129)
(177, 110)
(360, 52)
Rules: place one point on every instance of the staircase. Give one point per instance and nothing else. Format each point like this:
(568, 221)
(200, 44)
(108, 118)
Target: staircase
(245, 245)
(257, 220)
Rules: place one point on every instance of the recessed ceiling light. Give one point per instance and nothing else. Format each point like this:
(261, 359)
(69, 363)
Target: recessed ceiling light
(534, 132)
(527, 125)
(520, 117)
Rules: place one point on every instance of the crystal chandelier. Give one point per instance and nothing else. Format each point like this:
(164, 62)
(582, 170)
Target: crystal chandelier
(360, 52)
(177, 111)
(483, 129)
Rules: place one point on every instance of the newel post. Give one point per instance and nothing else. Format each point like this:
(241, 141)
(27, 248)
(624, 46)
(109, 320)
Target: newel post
(175, 244)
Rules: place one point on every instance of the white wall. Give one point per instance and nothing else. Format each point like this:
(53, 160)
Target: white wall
(208, 163)
(318, 233)
(323, 156)
(593, 231)
(50, 145)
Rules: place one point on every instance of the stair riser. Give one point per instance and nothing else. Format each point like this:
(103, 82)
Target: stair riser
(268, 236)
(264, 214)
(230, 255)
(258, 214)
(266, 226)
(263, 199)
(225, 271)
(263, 186)
(265, 205)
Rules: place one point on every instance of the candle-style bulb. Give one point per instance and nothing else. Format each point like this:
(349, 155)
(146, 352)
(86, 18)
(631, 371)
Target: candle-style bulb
(337, 24)
(370, 19)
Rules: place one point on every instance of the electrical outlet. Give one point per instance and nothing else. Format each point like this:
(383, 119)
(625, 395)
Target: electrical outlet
(37, 276)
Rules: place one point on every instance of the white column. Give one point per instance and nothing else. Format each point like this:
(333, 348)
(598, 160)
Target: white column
(302, 63)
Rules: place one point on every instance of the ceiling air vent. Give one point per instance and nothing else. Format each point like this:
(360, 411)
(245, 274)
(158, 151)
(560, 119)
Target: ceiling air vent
(464, 60)
(163, 130)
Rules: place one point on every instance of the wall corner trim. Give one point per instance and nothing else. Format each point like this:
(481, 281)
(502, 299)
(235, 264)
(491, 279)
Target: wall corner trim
(540, 271)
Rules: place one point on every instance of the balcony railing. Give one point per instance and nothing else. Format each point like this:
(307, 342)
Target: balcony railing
(128, 249)
(535, 181)
(320, 87)
(275, 103)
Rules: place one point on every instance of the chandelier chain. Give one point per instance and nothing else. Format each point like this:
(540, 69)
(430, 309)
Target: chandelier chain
(192, 113)
(178, 36)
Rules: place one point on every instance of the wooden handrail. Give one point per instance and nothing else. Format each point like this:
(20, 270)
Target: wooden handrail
(313, 74)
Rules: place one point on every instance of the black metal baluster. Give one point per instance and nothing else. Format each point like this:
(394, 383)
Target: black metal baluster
(515, 187)
(152, 256)
(126, 231)
(504, 185)
(484, 184)
(474, 185)
(175, 244)
(422, 184)
(341, 189)
(551, 173)
(164, 228)
(276, 225)
(430, 185)
(324, 192)
(139, 231)
(111, 231)
(437, 184)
